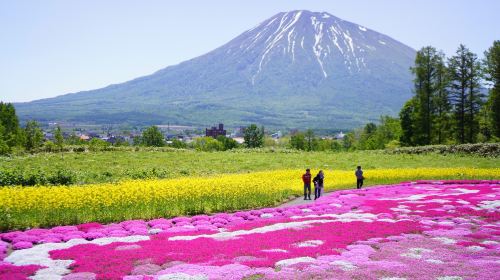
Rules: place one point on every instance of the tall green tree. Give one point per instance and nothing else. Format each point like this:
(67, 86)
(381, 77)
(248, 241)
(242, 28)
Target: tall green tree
(152, 137)
(12, 133)
(475, 96)
(310, 139)
(441, 101)
(407, 118)
(426, 72)
(254, 136)
(389, 130)
(4, 148)
(464, 93)
(34, 135)
(298, 141)
(492, 71)
(59, 138)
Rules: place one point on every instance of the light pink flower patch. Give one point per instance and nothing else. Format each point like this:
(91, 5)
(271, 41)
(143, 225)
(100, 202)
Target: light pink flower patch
(423, 230)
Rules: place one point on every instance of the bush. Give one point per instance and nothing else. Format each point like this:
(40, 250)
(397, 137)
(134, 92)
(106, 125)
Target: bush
(35, 178)
(480, 149)
(62, 177)
(153, 173)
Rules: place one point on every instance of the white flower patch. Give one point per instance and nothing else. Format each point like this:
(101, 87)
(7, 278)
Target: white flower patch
(434, 261)
(335, 205)
(449, 278)
(55, 269)
(461, 201)
(416, 253)
(182, 276)
(233, 234)
(400, 210)
(446, 223)
(387, 220)
(309, 243)
(128, 247)
(345, 218)
(489, 242)
(275, 251)
(154, 231)
(306, 210)
(445, 240)
(415, 197)
(464, 191)
(266, 215)
(428, 222)
(489, 204)
(288, 262)
(344, 265)
(475, 248)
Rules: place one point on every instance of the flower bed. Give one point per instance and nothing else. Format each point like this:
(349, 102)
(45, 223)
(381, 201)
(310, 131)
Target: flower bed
(415, 230)
(45, 206)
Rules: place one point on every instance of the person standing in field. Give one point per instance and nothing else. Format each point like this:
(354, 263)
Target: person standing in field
(318, 184)
(306, 178)
(359, 177)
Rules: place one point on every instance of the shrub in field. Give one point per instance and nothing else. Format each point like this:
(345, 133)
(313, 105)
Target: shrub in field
(480, 149)
(36, 178)
(153, 173)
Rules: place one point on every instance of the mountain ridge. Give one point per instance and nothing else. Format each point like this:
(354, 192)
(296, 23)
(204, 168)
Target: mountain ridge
(286, 72)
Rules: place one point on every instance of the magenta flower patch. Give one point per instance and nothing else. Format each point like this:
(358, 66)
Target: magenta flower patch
(413, 230)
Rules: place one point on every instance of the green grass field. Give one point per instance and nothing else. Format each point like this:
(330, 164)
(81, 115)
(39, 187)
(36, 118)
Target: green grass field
(96, 167)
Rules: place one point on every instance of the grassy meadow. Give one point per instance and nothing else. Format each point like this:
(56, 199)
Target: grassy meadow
(101, 167)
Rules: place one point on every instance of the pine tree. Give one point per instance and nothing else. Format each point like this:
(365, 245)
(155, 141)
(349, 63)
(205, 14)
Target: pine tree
(59, 138)
(407, 117)
(466, 98)
(34, 136)
(459, 79)
(441, 101)
(475, 98)
(10, 122)
(310, 140)
(427, 63)
(492, 71)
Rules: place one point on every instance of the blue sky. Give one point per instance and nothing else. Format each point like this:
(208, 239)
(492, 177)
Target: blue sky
(49, 48)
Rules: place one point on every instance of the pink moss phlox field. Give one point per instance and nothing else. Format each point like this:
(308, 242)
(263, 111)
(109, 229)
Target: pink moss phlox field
(412, 230)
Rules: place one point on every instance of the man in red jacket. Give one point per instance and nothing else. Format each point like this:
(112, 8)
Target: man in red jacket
(306, 178)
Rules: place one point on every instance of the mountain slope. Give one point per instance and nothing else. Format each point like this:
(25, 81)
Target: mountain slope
(296, 69)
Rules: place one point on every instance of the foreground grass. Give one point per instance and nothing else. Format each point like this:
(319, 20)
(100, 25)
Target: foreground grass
(22, 207)
(100, 167)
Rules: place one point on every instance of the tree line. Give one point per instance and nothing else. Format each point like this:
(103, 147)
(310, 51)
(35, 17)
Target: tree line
(452, 103)
(13, 137)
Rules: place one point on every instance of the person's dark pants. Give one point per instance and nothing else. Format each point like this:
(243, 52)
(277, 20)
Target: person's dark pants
(317, 192)
(359, 183)
(307, 191)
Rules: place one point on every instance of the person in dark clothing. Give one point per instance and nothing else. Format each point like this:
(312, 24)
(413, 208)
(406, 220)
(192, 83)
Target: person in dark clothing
(306, 178)
(359, 177)
(318, 184)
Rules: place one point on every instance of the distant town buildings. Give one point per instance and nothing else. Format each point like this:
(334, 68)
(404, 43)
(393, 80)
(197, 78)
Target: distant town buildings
(339, 136)
(215, 131)
(277, 135)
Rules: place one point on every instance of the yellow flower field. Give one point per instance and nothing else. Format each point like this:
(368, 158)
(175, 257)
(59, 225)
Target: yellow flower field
(22, 207)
